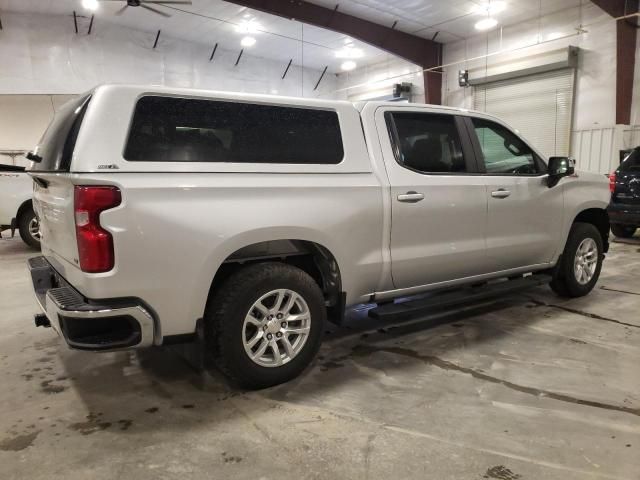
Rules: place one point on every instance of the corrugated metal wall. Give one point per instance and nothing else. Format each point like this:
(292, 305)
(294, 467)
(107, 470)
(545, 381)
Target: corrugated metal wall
(598, 150)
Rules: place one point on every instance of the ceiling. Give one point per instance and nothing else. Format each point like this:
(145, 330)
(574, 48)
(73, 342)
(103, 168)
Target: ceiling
(451, 19)
(216, 21)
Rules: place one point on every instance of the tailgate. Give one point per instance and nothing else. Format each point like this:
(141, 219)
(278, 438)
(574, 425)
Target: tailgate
(53, 202)
(53, 188)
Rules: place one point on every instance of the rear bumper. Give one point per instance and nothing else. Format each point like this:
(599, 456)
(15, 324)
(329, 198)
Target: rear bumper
(624, 214)
(114, 324)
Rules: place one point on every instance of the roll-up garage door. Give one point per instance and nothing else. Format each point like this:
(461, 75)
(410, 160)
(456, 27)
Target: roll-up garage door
(539, 106)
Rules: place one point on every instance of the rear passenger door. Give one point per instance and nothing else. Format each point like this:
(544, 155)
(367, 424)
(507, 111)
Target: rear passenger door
(438, 207)
(524, 215)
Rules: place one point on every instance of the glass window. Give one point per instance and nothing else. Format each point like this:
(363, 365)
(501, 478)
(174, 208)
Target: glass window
(58, 141)
(632, 162)
(503, 151)
(167, 129)
(429, 143)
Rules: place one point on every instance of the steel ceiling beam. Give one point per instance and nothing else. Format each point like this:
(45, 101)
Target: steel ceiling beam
(423, 52)
(627, 33)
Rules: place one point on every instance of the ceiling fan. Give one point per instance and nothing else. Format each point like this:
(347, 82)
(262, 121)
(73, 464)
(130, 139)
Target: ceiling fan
(146, 4)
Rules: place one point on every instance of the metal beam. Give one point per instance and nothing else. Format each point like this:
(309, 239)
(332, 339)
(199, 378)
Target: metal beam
(626, 33)
(423, 52)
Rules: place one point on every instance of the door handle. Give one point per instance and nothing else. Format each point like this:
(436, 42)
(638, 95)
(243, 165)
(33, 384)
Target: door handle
(410, 197)
(500, 193)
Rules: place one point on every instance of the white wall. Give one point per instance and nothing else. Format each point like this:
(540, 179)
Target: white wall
(23, 119)
(43, 61)
(596, 76)
(42, 54)
(596, 140)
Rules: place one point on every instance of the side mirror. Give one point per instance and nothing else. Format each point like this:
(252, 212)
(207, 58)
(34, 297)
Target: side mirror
(559, 167)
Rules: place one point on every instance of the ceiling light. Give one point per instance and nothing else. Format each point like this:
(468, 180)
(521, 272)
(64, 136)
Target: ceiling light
(349, 52)
(490, 8)
(274, 92)
(248, 41)
(248, 26)
(348, 65)
(90, 4)
(486, 24)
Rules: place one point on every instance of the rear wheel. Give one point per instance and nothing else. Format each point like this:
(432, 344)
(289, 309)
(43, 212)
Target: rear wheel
(29, 228)
(579, 266)
(623, 231)
(264, 325)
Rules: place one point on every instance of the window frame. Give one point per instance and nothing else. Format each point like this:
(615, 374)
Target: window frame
(466, 145)
(240, 102)
(540, 164)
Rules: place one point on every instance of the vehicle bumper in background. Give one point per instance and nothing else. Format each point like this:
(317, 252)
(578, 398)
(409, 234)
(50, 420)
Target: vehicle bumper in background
(86, 324)
(624, 214)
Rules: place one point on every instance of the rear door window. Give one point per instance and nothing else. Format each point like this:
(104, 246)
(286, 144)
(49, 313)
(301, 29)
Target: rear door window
(427, 142)
(169, 129)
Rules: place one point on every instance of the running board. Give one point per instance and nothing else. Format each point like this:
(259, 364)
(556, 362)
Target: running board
(457, 297)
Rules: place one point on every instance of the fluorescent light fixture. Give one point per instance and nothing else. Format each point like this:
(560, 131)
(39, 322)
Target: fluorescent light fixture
(349, 52)
(486, 24)
(490, 8)
(348, 65)
(248, 41)
(248, 26)
(554, 35)
(274, 92)
(90, 4)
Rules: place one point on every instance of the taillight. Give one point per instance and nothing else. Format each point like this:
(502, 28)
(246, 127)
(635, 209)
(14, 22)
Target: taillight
(95, 244)
(612, 182)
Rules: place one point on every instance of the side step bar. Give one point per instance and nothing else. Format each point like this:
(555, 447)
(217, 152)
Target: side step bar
(457, 297)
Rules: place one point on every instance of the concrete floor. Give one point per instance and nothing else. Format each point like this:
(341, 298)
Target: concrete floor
(530, 387)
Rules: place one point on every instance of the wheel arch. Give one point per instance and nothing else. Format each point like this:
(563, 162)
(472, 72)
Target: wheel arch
(599, 218)
(22, 208)
(311, 256)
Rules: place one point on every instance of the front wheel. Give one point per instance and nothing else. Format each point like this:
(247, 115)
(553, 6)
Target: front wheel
(623, 231)
(579, 266)
(29, 228)
(264, 325)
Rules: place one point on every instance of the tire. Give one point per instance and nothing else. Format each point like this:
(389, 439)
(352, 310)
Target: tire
(227, 332)
(25, 227)
(623, 231)
(565, 280)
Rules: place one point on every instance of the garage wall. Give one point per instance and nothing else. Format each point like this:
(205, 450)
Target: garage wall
(23, 120)
(42, 54)
(595, 89)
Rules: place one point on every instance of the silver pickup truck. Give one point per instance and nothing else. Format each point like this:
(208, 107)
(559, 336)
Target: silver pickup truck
(247, 220)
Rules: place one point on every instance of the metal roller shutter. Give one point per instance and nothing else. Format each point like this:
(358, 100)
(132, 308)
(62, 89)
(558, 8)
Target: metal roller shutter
(540, 106)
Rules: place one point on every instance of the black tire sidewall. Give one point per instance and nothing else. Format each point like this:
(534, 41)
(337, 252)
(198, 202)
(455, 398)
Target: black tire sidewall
(578, 233)
(23, 227)
(228, 313)
(623, 231)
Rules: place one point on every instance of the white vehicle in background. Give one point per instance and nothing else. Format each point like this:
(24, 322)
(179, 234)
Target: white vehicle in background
(16, 208)
(283, 212)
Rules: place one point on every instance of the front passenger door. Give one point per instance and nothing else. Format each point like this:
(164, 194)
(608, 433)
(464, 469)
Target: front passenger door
(524, 220)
